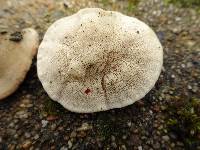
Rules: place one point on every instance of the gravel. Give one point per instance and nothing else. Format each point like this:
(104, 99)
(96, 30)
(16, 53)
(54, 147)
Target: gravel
(30, 120)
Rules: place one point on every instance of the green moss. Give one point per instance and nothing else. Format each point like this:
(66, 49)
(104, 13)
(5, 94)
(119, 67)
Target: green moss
(184, 120)
(105, 2)
(52, 107)
(132, 5)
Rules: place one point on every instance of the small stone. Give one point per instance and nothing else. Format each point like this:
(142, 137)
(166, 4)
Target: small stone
(11, 124)
(114, 145)
(11, 147)
(52, 117)
(69, 144)
(55, 134)
(189, 87)
(171, 92)
(63, 148)
(73, 134)
(26, 144)
(66, 138)
(189, 64)
(112, 138)
(16, 136)
(53, 127)
(129, 124)
(151, 112)
(81, 134)
(27, 135)
(180, 143)
(135, 131)
(160, 127)
(190, 43)
(124, 147)
(183, 65)
(139, 147)
(124, 137)
(173, 76)
(22, 114)
(36, 137)
(156, 145)
(44, 123)
(84, 127)
(163, 107)
(165, 138)
(172, 144)
(194, 89)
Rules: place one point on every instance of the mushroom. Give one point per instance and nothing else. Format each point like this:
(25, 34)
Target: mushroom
(97, 60)
(16, 53)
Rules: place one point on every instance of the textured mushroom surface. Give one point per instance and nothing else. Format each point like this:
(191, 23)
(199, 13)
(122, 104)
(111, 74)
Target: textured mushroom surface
(98, 60)
(16, 53)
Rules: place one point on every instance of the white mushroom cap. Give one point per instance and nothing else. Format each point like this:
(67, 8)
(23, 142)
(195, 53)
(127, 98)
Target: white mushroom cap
(16, 55)
(97, 60)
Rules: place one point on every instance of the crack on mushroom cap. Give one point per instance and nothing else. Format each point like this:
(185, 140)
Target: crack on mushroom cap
(113, 63)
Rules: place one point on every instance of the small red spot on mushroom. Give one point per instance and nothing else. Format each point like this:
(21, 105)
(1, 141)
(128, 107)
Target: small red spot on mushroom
(87, 91)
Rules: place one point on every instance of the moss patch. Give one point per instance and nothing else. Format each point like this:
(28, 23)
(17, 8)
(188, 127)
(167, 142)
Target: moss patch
(53, 108)
(184, 120)
(132, 5)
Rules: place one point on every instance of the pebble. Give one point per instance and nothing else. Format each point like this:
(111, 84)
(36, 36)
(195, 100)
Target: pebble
(63, 148)
(52, 118)
(129, 124)
(112, 138)
(156, 145)
(124, 147)
(73, 134)
(172, 144)
(173, 76)
(165, 138)
(195, 89)
(44, 123)
(69, 144)
(183, 65)
(22, 114)
(27, 135)
(189, 87)
(36, 137)
(114, 145)
(84, 127)
(124, 137)
(189, 64)
(53, 127)
(180, 143)
(26, 144)
(139, 147)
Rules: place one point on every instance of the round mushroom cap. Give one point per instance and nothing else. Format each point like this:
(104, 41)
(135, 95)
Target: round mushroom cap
(97, 60)
(16, 53)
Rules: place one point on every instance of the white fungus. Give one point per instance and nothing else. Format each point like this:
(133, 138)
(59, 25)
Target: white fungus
(97, 60)
(16, 53)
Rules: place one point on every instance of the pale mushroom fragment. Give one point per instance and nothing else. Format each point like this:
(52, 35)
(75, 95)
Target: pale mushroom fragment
(16, 53)
(97, 60)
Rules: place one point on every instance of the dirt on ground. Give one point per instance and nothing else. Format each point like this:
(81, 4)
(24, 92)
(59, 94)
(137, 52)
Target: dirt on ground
(166, 118)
